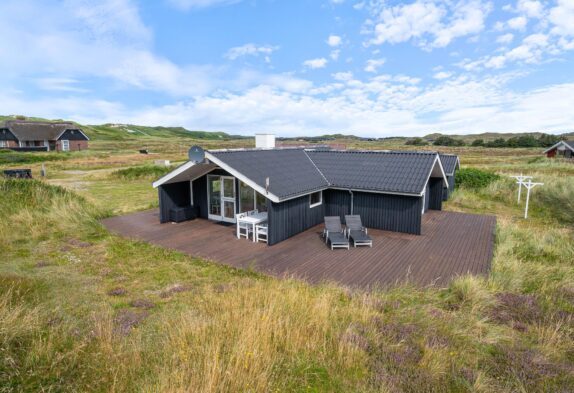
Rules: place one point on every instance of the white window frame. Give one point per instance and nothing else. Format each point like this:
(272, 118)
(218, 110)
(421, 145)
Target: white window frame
(311, 205)
(65, 145)
(255, 205)
(223, 199)
(3, 143)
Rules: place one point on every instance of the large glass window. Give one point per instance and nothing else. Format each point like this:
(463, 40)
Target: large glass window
(246, 197)
(261, 202)
(249, 199)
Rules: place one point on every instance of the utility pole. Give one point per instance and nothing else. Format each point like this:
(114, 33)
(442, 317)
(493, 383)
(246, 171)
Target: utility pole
(529, 186)
(520, 181)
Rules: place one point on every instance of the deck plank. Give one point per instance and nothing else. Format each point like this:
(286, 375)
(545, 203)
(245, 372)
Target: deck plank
(452, 244)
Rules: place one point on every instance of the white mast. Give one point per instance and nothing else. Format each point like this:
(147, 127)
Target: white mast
(520, 181)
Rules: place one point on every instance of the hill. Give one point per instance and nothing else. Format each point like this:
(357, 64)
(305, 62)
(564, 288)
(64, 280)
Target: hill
(125, 132)
(490, 136)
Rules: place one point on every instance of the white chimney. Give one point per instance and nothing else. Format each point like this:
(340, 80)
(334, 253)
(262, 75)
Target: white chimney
(264, 141)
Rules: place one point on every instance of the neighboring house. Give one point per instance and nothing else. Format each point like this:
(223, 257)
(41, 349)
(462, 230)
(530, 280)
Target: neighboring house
(561, 149)
(450, 164)
(299, 187)
(42, 136)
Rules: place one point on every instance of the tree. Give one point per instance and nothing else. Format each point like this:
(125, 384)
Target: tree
(447, 141)
(546, 140)
(499, 142)
(478, 142)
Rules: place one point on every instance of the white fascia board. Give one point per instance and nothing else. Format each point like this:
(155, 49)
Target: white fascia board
(242, 177)
(180, 169)
(444, 178)
(558, 144)
(377, 192)
(77, 129)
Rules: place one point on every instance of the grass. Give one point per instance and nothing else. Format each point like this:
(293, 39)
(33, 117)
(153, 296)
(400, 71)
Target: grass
(142, 172)
(83, 310)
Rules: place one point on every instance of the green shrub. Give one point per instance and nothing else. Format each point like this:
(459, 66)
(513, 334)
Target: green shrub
(142, 172)
(447, 141)
(474, 178)
(416, 142)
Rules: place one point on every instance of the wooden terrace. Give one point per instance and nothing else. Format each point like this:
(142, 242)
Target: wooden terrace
(451, 244)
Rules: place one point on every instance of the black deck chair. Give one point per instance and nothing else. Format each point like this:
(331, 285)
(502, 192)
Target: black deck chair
(334, 233)
(357, 232)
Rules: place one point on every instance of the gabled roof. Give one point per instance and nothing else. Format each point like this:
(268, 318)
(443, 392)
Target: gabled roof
(390, 171)
(449, 162)
(567, 144)
(36, 131)
(290, 171)
(296, 172)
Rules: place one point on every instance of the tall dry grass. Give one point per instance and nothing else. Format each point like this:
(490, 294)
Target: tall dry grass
(226, 331)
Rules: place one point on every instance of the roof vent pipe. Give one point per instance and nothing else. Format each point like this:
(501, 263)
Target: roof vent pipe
(352, 201)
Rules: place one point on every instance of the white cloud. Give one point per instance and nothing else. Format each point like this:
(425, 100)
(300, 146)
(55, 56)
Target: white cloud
(334, 55)
(334, 40)
(562, 17)
(374, 64)
(442, 75)
(315, 63)
(198, 4)
(532, 9)
(249, 50)
(60, 84)
(517, 23)
(431, 23)
(343, 76)
(505, 38)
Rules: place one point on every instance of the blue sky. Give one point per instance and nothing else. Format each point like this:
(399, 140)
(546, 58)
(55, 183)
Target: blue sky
(368, 67)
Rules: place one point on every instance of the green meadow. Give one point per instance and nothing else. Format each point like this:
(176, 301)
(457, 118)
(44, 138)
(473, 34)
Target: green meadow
(83, 310)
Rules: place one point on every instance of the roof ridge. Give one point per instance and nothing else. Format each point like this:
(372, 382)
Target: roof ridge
(316, 167)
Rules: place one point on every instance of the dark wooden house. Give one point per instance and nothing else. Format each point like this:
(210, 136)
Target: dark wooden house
(299, 187)
(450, 164)
(564, 149)
(42, 136)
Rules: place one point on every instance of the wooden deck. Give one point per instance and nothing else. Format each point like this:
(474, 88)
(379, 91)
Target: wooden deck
(451, 244)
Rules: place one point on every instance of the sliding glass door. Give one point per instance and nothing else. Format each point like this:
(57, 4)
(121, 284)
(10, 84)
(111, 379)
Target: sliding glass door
(221, 198)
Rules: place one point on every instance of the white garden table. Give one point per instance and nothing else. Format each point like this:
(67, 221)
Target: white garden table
(254, 219)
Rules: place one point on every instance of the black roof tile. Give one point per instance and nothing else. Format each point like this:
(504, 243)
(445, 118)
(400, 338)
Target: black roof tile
(290, 171)
(294, 172)
(401, 172)
(448, 163)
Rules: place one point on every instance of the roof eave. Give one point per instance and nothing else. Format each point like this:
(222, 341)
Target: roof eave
(242, 177)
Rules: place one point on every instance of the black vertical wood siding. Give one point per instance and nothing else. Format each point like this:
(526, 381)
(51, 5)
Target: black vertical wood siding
(6, 135)
(427, 199)
(291, 217)
(435, 193)
(200, 196)
(73, 135)
(172, 195)
(380, 211)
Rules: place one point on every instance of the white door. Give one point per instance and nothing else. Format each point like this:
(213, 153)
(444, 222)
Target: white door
(65, 145)
(221, 198)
